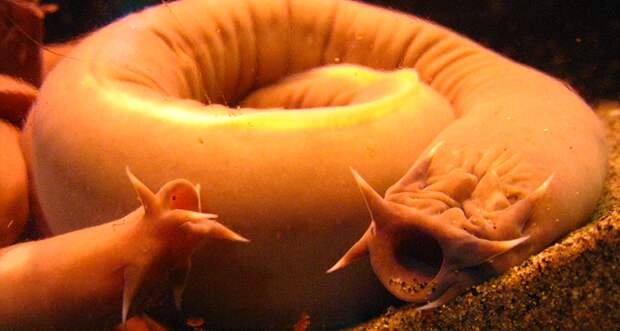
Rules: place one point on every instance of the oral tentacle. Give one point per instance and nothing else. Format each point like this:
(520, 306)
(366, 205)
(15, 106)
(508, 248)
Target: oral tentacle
(356, 252)
(197, 189)
(207, 228)
(465, 250)
(375, 204)
(147, 198)
(189, 216)
(451, 291)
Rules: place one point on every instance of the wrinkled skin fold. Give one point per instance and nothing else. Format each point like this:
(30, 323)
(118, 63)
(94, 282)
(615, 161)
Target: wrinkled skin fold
(150, 90)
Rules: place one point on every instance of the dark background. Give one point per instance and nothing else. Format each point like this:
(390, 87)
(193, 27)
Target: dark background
(576, 41)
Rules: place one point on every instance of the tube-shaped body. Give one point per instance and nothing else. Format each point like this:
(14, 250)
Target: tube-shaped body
(136, 97)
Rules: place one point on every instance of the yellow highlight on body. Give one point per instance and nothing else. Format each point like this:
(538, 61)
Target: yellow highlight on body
(405, 83)
(15, 259)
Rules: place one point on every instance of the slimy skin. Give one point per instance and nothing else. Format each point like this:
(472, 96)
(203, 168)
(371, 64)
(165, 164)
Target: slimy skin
(148, 90)
(48, 284)
(13, 185)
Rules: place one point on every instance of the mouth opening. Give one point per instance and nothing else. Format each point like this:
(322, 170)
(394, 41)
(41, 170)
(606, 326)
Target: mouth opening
(419, 254)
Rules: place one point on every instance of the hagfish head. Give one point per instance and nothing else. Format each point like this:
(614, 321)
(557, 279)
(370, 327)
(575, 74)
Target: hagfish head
(171, 227)
(175, 211)
(424, 248)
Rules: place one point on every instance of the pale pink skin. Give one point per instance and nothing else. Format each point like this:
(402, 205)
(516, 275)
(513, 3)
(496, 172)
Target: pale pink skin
(86, 279)
(13, 184)
(520, 138)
